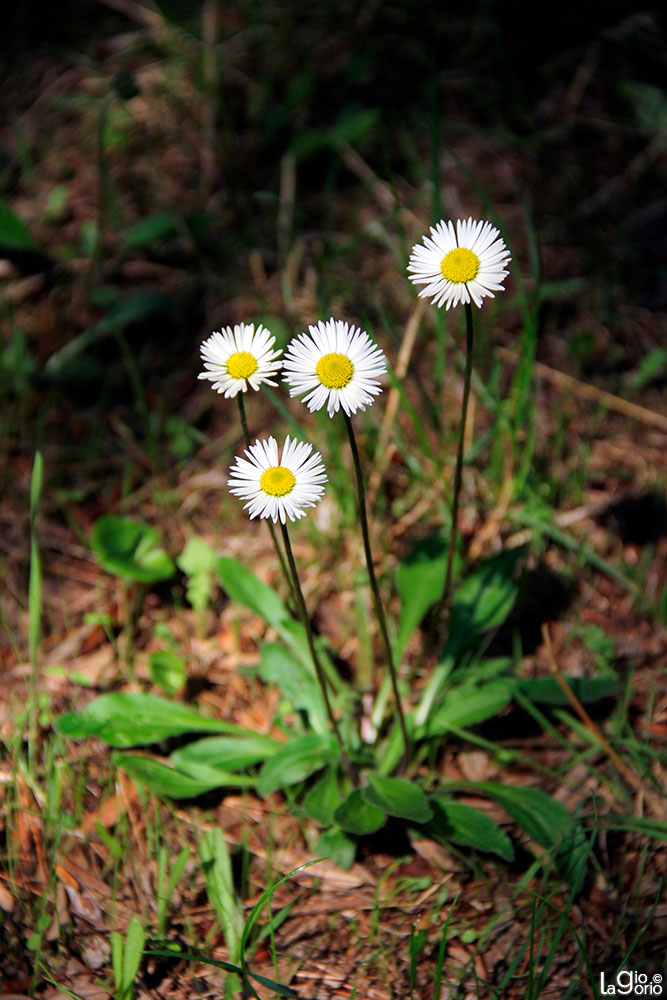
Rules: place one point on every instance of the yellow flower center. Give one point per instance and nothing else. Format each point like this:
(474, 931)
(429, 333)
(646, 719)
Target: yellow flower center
(460, 265)
(334, 370)
(241, 365)
(277, 481)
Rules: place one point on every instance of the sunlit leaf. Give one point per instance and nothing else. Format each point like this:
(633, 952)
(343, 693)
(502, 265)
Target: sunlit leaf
(130, 549)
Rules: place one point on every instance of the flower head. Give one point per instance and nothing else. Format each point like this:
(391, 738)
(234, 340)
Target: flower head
(457, 265)
(278, 487)
(337, 365)
(239, 357)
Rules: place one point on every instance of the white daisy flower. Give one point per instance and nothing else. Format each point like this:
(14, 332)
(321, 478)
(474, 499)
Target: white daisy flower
(457, 265)
(278, 488)
(337, 365)
(239, 357)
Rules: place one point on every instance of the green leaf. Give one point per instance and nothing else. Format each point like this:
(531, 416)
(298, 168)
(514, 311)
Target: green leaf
(14, 234)
(128, 310)
(419, 580)
(230, 753)
(296, 682)
(484, 600)
(216, 777)
(130, 549)
(299, 758)
(122, 719)
(547, 690)
(549, 823)
(166, 781)
(323, 799)
(241, 585)
(468, 706)
(153, 229)
(167, 670)
(398, 797)
(197, 561)
(544, 819)
(336, 844)
(459, 823)
(216, 863)
(356, 815)
(133, 952)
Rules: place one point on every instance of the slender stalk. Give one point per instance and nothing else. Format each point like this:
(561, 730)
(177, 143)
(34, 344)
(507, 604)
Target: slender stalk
(377, 600)
(305, 620)
(458, 475)
(272, 530)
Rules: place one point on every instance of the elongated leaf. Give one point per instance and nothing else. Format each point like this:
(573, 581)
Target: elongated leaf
(244, 587)
(397, 797)
(153, 228)
(216, 963)
(130, 549)
(217, 867)
(166, 781)
(217, 777)
(547, 690)
(167, 670)
(296, 682)
(129, 720)
(132, 953)
(462, 824)
(550, 824)
(544, 819)
(468, 706)
(484, 599)
(128, 310)
(300, 758)
(228, 753)
(419, 581)
(356, 815)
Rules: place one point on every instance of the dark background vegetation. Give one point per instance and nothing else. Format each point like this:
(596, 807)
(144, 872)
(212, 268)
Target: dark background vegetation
(167, 170)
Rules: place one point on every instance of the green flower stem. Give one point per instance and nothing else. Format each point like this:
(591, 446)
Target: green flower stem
(377, 600)
(458, 475)
(272, 530)
(305, 620)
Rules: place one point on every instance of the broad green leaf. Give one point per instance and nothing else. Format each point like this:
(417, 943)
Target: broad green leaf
(468, 706)
(484, 600)
(197, 561)
(397, 797)
(229, 753)
(296, 681)
(217, 867)
(549, 823)
(547, 690)
(356, 815)
(299, 758)
(14, 234)
(166, 781)
(419, 581)
(130, 549)
(129, 720)
(167, 670)
(544, 819)
(323, 799)
(336, 844)
(133, 952)
(462, 824)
